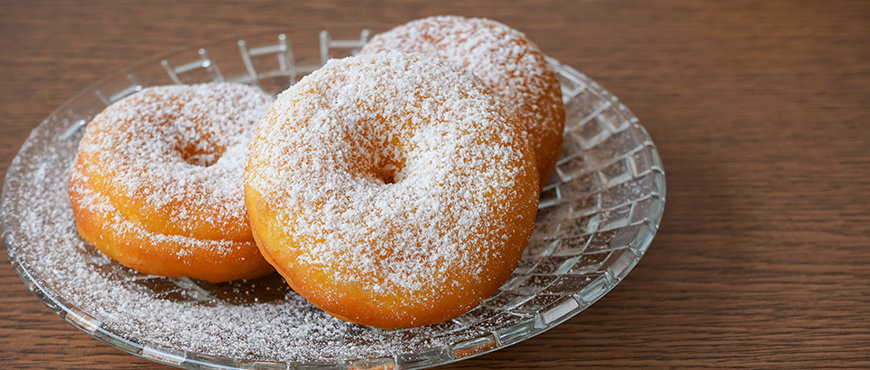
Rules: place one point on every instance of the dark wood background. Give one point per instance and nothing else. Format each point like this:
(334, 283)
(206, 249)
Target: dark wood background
(760, 109)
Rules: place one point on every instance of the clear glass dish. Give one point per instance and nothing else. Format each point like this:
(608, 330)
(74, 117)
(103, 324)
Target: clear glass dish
(597, 216)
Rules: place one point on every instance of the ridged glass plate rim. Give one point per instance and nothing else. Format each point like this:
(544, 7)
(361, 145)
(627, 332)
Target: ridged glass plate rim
(556, 313)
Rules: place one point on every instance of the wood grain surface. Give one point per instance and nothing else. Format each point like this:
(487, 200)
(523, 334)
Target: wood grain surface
(760, 110)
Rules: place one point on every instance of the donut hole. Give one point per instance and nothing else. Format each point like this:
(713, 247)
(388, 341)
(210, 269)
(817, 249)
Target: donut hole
(388, 173)
(198, 156)
(380, 155)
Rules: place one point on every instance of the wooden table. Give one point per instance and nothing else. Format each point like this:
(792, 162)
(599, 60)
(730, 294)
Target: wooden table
(760, 109)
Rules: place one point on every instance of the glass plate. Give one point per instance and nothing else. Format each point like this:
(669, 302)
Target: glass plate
(597, 216)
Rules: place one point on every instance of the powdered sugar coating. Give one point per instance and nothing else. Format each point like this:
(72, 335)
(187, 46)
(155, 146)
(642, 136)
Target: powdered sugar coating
(505, 59)
(395, 181)
(158, 178)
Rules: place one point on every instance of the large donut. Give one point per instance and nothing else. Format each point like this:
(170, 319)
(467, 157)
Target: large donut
(505, 59)
(392, 190)
(157, 182)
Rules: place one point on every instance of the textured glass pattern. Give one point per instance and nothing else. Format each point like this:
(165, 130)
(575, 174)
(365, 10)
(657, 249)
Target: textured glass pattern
(597, 215)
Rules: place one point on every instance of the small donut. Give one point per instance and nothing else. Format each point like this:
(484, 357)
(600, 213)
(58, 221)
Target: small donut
(391, 190)
(505, 59)
(157, 181)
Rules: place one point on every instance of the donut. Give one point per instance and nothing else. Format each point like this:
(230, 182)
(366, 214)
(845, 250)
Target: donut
(391, 190)
(157, 181)
(505, 59)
